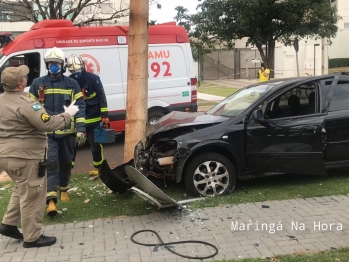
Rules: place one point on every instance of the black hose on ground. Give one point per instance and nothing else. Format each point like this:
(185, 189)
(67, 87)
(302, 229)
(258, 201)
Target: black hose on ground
(174, 243)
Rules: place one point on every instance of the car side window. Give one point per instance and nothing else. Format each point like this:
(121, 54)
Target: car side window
(299, 101)
(340, 98)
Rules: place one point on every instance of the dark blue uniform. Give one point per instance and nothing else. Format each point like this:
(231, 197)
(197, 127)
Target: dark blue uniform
(96, 110)
(59, 92)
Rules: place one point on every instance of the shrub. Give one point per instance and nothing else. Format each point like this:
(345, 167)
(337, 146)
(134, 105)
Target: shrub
(338, 62)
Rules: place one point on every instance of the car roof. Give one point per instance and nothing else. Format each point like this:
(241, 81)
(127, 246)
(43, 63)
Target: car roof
(275, 84)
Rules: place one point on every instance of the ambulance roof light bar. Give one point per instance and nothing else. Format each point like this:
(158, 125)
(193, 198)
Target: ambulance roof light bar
(52, 23)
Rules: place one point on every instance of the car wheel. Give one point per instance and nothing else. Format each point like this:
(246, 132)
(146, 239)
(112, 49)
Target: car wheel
(154, 116)
(210, 174)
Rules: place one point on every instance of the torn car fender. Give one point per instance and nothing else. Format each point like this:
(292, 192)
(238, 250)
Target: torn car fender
(238, 159)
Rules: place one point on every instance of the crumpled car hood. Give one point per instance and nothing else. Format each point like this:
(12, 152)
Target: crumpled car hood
(177, 119)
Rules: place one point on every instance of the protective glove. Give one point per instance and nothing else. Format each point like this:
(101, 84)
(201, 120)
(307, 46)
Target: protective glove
(80, 139)
(105, 122)
(72, 109)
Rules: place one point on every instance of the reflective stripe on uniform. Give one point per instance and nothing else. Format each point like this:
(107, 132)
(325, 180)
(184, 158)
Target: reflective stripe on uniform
(77, 96)
(63, 188)
(96, 164)
(52, 193)
(91, 96)
(104, 109)
(33, 97)
(65, 132)
(93, 120)
(57, 91)
(80, 120)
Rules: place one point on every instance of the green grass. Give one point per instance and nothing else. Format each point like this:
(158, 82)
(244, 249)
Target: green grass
(212, 89)
(101, 203)
(338, 69)
(325, 256)
(282, 187)
(202, 102)
(104, 205)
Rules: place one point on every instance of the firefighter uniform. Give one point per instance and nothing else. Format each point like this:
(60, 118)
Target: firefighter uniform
(54, 93)
(96, 110)
(23, 123)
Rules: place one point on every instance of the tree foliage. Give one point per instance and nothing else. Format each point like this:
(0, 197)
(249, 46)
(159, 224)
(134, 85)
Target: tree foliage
(200, 45)
(264, 22)
(82, 12)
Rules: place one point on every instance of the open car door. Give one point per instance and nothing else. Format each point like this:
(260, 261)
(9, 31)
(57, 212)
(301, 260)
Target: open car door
(293, 139)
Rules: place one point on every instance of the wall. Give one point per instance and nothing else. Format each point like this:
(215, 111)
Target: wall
(309, 56)
(339, 48)
(16, 27)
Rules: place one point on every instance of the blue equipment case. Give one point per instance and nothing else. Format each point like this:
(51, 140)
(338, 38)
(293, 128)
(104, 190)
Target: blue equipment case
(104, 135)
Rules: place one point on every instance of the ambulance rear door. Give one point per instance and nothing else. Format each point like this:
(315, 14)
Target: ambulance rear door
(104, 61)
(34, 59)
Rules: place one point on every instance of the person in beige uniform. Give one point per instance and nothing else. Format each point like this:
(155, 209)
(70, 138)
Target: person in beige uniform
(23, 141)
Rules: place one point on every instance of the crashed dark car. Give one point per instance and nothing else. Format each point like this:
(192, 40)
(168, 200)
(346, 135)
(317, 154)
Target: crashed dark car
(286, 126)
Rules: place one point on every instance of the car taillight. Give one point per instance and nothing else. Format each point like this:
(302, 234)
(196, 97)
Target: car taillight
(194, 95)
(193, 81)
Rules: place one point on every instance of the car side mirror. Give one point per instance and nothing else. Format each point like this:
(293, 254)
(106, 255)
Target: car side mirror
(258, 116)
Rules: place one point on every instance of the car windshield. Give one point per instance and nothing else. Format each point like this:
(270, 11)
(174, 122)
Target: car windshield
(238, 102)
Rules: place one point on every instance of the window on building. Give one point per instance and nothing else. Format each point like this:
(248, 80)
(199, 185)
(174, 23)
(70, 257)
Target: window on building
(44, 6)
(5, 12)
(346, 25)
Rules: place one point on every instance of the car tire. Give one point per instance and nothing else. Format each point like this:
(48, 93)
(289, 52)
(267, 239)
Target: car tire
(200, 164)
(153, 116)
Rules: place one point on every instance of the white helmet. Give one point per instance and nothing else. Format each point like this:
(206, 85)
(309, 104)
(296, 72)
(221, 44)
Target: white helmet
(54, 55)
(75, 64)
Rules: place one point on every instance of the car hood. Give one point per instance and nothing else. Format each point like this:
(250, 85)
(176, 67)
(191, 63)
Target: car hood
(177, 119)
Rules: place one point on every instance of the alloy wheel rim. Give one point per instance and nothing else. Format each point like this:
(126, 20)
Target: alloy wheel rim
(211, 178)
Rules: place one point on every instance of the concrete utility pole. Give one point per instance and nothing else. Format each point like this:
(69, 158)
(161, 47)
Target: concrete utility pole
(137, 77)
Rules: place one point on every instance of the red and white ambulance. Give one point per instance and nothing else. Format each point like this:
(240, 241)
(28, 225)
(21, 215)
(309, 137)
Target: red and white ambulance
(104, 49)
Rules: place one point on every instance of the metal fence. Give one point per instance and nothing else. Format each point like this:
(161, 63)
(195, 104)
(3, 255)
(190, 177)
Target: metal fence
(242, 63)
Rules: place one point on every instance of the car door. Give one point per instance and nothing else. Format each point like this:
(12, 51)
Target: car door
(289, 141)
(337, 125)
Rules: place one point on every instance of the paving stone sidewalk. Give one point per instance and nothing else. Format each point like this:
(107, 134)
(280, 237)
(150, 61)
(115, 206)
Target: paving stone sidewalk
(262, 229)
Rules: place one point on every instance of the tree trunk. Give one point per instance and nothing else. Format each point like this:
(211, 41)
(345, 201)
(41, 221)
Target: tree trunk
(137, 77)
(270, 58)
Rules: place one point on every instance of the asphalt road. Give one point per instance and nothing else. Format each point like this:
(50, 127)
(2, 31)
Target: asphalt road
(113, 153)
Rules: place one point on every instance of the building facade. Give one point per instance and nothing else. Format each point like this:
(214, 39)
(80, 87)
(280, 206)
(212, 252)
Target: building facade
(338, 48)
(12, 18)
(311, 59)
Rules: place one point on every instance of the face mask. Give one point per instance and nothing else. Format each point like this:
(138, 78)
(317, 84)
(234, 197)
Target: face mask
(54, 69)
(78, 75)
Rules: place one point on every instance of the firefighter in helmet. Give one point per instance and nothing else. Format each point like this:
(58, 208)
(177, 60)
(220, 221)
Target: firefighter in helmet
(96, 111)
(54, 91)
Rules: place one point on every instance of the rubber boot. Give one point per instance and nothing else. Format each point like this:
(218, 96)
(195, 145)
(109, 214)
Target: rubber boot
(94, 172)
(51, 209)
(65, 196)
